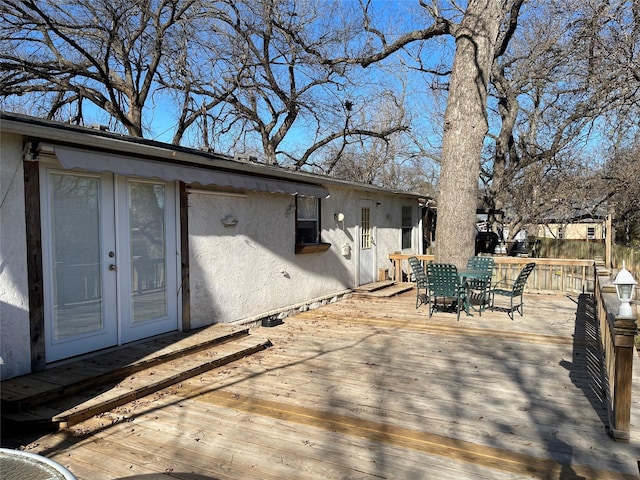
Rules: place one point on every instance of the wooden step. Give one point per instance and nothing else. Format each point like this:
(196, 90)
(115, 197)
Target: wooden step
(75, 408)
(371, 287)
(56, 382)
(389, 289)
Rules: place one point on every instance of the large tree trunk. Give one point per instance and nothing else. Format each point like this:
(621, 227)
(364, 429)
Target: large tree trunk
(465, 128)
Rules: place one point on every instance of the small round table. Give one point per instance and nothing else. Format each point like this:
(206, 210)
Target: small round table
(19, 465)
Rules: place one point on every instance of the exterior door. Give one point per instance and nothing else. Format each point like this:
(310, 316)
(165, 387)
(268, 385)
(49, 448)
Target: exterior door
(107, 272)
(147, 276)
(367, 252)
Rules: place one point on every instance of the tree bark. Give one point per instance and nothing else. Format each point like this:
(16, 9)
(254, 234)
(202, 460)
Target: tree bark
(465, 128)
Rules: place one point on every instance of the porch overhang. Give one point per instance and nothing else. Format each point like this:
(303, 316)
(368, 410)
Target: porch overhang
(94, 161)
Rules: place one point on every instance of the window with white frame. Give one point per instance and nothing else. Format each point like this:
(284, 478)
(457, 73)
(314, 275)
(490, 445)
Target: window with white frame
(307, 220)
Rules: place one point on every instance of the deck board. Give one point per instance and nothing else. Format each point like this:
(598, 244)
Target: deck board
(373, 388)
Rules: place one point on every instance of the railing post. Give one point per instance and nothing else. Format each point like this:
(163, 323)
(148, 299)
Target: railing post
(617, 336)
(624, 332)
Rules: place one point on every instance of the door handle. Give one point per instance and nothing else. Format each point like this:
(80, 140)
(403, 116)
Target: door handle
(112, 268)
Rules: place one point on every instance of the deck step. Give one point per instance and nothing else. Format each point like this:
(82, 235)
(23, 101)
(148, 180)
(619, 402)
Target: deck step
(72, 409)
(37, 388)
(382, 289)
(371, 287)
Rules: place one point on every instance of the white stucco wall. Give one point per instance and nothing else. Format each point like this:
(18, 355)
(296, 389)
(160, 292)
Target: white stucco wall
(14, 295)
(250, 269)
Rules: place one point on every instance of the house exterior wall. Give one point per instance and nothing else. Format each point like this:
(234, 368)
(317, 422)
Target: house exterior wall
(243, 271)
(573, 231)
(15, 341)
(236, 272)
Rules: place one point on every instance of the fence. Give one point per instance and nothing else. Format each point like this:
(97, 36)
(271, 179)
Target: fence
(551, 275)
(587, 249)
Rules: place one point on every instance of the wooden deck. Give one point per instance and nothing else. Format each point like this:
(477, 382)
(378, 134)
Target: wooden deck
(370, 389)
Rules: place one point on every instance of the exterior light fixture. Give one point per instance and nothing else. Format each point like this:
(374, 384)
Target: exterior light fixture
(338, 217)
(624, 283)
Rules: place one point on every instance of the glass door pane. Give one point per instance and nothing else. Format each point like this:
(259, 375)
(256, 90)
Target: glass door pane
(78, 261)
(148, 251)
(76, 256)
(365, 237)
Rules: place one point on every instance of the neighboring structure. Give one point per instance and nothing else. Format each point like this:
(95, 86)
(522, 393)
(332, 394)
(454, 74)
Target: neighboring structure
(107, 239)
(582, 228)
(580, 221)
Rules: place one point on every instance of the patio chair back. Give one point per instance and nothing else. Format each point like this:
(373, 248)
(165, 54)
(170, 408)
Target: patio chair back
(444, 287)
(481, 263)
(421, 281)
(514, 292)
(478, 289)
(523, 276)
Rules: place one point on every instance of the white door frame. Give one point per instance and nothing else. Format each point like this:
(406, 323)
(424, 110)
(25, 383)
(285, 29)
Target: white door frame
(114, 280)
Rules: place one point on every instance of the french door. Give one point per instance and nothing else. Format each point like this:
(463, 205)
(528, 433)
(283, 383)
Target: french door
(109, 260)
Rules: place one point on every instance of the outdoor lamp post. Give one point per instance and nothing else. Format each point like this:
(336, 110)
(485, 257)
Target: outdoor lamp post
(624, 283)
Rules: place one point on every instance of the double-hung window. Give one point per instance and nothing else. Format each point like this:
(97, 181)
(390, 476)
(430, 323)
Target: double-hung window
(307, 220)
(308, 225)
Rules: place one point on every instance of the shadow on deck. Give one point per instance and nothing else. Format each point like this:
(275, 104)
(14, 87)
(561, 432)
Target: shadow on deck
(370, 387)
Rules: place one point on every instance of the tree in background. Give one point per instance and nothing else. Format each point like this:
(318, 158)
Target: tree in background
(61, 55)
(244, 71)
(565, 90)
(529, 88)
(479, 39)
(260, 64)
(622, 180)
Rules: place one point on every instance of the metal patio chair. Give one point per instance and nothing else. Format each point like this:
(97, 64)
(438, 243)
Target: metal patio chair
(513, 291)
(445, 288)
(478, 288)
(421, 281)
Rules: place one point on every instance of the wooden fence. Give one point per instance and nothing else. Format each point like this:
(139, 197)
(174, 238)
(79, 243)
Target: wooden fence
(551, 275)
(588, 249)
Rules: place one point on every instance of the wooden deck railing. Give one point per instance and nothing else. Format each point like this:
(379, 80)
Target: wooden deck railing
(617, 337)
(617, 334)
(550, 275)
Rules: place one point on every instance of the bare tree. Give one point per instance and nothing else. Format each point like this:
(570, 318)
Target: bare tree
(465, 128)
(239, 74)
(277, 79)
(622, 177)
(554, 90)
(106, 52)
(475, 30)
(392, 161)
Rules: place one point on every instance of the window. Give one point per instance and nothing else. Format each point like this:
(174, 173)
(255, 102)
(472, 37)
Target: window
(591, 233)
(307, 220)
(365, 231)
(560, 233)
(407, 226)
(308, 225)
